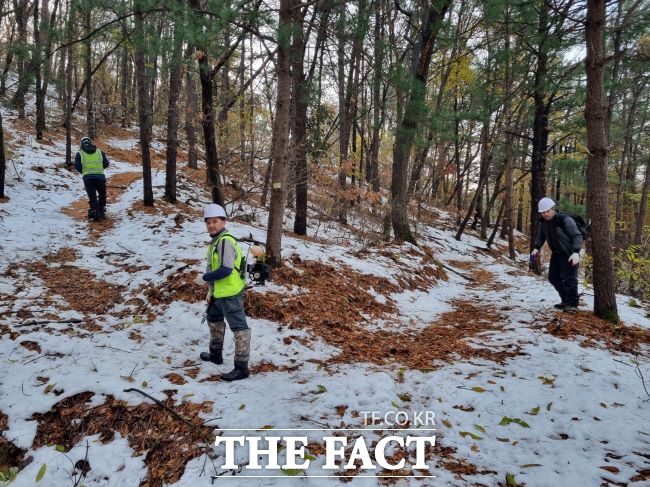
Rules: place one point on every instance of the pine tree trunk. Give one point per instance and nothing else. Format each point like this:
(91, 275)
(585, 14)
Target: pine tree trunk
(175, 83)
(153, 75)
(509, 169)
(69, 88)
(38, 72)
(413, 117)
(3, 162)
(8, 60)
(344, 134)
(640, 219)
(144, 115)
(626, 163)
(280, 137)
(474, 205)
(223, 139)
(21, 14)
(90, 115)
(190, 107)
(299, 123)
(459, 175)
(207, 122)
(242, 103)
(206, 78)
(520, 209)
(47, 28)
(540, 123)
(597, 186)
(377, 103)
(124, 86)
(251, 118)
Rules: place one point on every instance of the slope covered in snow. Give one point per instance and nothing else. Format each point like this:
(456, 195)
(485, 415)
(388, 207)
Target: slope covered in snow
(90, 310)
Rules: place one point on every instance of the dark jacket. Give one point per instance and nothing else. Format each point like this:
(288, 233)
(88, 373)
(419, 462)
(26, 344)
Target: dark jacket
(89, 148)
(561, 233)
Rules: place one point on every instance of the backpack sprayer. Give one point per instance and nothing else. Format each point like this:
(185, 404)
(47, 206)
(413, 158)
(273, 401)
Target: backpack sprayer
(259, 271)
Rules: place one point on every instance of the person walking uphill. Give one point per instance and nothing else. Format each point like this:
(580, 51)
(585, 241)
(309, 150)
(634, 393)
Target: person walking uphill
(225, 294)
(91, 162)
(565, 240)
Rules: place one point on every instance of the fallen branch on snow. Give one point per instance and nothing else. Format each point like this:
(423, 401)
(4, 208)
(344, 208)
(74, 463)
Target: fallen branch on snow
(167, 408)
(457, 273)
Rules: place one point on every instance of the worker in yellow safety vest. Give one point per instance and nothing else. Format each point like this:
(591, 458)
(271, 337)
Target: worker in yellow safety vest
(91, 162)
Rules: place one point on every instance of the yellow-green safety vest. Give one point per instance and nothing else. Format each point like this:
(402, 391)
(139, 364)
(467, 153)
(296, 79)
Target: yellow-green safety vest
(92, 163)
(233, 284)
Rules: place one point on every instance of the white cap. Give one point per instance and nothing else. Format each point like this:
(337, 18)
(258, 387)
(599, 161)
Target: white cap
(214, 210)
(545, 204)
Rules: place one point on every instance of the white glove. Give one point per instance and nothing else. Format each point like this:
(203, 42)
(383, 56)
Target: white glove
(582, 253)
(574, 260)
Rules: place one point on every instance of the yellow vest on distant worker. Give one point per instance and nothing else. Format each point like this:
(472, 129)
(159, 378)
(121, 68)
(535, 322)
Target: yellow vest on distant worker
(233, 284)
(91, 163)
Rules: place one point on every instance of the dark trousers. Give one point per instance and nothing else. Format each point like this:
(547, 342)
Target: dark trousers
(96, 190)
(564, 278)
(232, 309)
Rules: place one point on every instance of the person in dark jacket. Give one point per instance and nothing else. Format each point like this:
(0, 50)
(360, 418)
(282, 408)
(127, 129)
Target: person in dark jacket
(91, 162)
(565, 241)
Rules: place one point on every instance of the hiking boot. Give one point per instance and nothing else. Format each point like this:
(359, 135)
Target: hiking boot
(242, 350)
(560, 305)
(239, 372)
(570, 309)
(214, 355)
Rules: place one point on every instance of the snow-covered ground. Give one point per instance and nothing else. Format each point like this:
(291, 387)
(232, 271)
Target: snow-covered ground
(554, 413)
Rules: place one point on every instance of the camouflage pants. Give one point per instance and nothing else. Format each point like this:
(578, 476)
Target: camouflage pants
(232, 310)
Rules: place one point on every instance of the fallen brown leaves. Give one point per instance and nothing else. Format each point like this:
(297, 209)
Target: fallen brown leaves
(643, 474)
(168, 442)
(482, 278)
(79, 287)
(444, 339)
(181, 211)
(5, 330)
(268, 367)
(619, 337)
(338, 304)
(65, 254)
(116, 186)
(334, 297)
(10, 454)
(175, 379)
(181, 285)
(31, 345)
(134, 156)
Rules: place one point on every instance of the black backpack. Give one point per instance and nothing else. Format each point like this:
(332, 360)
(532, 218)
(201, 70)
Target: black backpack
(583, 226)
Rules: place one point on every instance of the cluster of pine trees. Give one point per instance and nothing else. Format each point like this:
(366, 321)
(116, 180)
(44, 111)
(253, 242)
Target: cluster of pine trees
(480, 106)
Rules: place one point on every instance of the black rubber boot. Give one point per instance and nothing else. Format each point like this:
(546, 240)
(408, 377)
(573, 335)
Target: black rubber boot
(238, 373)
(214, 356)
(560, 306)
